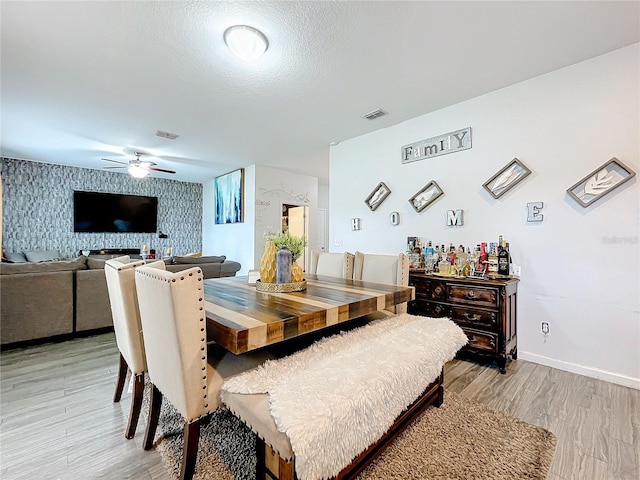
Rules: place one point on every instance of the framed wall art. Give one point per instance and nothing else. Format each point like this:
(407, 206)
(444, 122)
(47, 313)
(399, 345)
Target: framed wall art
(601, 181)
(426, 196)
(229, 197)
(379, 194)
(511, 174)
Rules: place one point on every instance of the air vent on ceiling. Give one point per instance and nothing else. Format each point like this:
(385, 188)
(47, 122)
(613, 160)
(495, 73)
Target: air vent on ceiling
(375, 114)
(170, 136)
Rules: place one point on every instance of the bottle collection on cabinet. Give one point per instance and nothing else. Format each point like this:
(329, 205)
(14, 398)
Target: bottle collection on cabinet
(490, 259)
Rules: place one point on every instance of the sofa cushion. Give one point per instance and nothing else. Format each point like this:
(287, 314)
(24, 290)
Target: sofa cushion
(35, 305)
(14, 257)
(79, 263)
(198, 260)
(42, 255)
(95, 263)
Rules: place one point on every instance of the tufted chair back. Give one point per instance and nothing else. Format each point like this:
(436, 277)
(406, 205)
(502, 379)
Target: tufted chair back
(121, 287)
(332, 264)
(173, 322)
(389, 269)
(124, 310)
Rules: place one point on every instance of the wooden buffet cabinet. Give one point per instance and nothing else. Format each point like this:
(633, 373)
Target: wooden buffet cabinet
(485, 309)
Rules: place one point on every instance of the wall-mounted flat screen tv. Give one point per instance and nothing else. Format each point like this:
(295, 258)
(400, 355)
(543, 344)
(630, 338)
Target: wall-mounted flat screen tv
(113, 212)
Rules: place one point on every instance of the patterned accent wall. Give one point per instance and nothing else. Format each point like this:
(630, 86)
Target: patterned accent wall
(38, 209)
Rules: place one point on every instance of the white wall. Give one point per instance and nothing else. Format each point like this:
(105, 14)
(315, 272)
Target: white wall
(234, 240)
(273, 188)
(266, 189)
(580, 266)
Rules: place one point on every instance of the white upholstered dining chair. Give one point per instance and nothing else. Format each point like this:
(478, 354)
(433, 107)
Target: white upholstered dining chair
(126, 324)
(389, 269)
(182, 366)
(332, 264)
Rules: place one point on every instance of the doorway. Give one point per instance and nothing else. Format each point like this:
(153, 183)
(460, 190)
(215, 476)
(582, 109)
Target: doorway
(295, 220)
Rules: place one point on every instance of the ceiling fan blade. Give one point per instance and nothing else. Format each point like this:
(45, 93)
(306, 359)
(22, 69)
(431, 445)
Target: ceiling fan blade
(109, 168)
(161, 170)
(115, 161)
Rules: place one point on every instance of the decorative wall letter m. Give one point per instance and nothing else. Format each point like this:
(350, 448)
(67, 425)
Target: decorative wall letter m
(454, 218)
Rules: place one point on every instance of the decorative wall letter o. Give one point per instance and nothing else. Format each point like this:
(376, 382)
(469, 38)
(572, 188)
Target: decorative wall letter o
(394, 218)
(533, 212)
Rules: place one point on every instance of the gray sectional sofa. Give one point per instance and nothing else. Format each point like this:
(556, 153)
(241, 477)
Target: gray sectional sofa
(42, 301)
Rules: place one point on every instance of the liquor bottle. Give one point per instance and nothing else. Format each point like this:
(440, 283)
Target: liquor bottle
(503, 259)
(429, 251)
(451, 255)
(483, 258)
(493, 258)
(466, 269)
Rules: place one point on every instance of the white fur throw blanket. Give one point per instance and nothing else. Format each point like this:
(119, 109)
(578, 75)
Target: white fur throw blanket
(341, 394)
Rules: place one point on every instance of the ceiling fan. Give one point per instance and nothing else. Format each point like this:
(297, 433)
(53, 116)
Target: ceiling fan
(138, 168)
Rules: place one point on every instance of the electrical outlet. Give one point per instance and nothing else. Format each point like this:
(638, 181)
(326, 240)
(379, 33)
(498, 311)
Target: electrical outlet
(337, 243)
(516, 270)
(545, 328)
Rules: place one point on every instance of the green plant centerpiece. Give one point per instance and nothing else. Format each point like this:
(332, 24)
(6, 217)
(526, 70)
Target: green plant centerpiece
(294, 243)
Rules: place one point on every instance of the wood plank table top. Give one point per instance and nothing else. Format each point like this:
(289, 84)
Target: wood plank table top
(241, 319)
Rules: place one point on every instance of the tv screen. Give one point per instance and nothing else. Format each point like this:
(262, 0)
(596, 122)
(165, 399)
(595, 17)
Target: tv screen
(112, 212)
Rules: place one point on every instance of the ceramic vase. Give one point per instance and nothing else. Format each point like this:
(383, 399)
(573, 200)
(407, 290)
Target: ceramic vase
(296, 273)
(268, 263)
(283, 265)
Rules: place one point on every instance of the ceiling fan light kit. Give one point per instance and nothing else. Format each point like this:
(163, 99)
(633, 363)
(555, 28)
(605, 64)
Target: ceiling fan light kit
(246, 42)
(137, 171)
(138, 168)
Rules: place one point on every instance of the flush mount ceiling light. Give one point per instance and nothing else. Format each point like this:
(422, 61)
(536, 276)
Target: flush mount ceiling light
(245, 42)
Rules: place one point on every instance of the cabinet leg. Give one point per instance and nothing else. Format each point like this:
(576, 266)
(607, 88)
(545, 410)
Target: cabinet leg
(502, 364)
(514, 354)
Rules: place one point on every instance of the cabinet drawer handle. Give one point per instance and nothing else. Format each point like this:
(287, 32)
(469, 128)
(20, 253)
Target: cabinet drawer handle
(474, 318)
(470, 295)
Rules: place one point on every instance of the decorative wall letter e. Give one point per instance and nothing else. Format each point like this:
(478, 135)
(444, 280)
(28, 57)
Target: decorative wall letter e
(533, 212)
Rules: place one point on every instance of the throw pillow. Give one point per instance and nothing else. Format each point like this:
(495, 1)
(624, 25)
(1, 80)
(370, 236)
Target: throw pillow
(42, 255)
(15, 257)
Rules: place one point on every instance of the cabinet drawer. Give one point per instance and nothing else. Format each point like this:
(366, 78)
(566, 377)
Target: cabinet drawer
(475, 318)
(481, 340)
(430, 289)
(474, 295)
(429, 309)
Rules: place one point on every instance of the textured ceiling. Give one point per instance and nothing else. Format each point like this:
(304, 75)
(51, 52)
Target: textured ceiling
(86, 80)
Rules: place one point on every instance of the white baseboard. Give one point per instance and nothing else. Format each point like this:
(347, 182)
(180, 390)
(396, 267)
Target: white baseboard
(582, 370)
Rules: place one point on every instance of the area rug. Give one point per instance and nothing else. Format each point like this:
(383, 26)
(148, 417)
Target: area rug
(461, 440)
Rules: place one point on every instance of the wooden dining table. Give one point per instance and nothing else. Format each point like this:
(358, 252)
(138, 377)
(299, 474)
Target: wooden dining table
(242, 319)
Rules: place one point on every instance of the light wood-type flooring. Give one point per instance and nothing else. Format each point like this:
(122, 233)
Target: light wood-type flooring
(59, 421)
